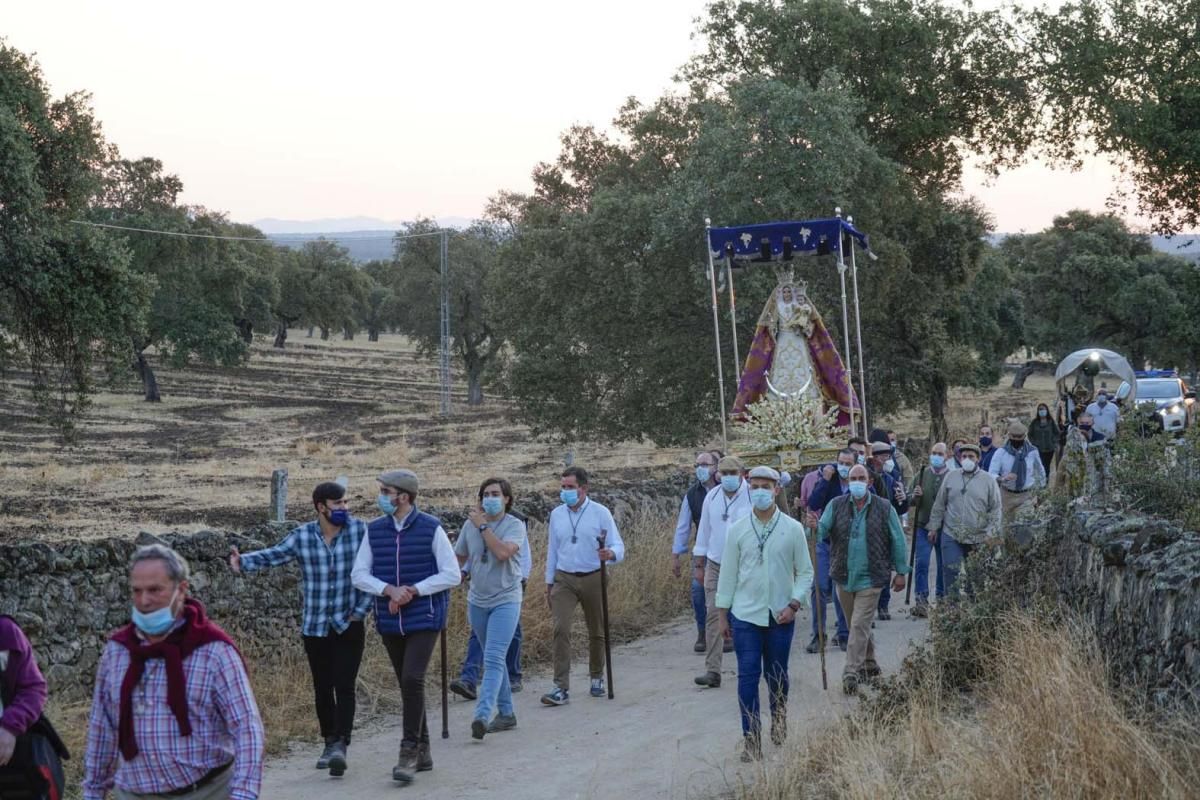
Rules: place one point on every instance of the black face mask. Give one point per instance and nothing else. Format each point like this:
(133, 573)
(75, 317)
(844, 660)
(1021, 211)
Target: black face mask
(1017, 444)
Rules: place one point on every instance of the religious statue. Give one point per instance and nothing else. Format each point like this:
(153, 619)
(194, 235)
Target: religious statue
(793, 356)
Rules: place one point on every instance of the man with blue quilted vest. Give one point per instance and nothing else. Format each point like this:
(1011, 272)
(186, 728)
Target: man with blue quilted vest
(407, 563)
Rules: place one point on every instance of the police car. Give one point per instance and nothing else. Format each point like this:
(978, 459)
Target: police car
(1163, 393)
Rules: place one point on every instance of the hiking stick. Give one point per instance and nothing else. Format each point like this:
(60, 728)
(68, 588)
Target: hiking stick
(604, 613)
(445, 692)
(818, 608)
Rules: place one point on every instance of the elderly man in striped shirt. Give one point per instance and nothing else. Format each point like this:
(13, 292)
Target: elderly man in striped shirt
(172, 714)
(334, 611)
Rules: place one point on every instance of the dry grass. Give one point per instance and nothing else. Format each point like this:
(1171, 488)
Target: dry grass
(1043, 724)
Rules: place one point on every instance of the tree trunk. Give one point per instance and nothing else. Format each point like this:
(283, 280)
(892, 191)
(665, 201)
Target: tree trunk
(372, 334)
(324, 334)
(938, 402)
(245, 330)
(475, 386)
(281, 333)
(1026, 370)
(347, 334)
(310, 331)
(149, 382)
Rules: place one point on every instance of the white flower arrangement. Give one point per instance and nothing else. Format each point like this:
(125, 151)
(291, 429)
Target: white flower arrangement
(794, 423)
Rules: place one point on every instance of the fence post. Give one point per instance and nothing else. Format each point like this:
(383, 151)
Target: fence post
(278, 509)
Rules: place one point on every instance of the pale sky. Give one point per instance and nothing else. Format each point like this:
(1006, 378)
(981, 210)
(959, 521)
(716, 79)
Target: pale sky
(303, 110)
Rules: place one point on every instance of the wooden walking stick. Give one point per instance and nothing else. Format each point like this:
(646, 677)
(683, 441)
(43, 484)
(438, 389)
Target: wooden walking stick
(818, 607)
(445, 692)
(604, 613)
(912, 551)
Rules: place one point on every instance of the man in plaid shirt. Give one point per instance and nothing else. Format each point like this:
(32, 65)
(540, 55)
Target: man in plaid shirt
(173, 714)
(334, 610)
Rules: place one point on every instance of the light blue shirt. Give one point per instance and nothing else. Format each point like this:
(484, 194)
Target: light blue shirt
(764, 568)
(584, 525)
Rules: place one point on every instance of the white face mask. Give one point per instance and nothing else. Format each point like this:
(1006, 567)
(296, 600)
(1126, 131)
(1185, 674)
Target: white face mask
(968, 465)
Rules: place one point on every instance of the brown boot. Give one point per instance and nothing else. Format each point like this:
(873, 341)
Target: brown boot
(779, 727)
(424, 757)
(406, 767)
(751, 748)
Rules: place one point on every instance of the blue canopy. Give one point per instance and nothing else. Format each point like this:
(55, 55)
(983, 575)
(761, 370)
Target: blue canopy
(810, 237)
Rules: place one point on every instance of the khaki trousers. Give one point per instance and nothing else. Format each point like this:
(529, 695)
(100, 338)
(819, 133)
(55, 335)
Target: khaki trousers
(1010, 502)
(569, 591)
(217, 789)
(712, 620)
(860, 613)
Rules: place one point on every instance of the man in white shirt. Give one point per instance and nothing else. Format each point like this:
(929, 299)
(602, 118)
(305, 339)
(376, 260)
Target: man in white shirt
(1018, 469)
(582, 533)
(412, 601)
(1105, 415)
(724, 505)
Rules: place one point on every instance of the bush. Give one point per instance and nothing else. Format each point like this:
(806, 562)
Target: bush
(1160, 475)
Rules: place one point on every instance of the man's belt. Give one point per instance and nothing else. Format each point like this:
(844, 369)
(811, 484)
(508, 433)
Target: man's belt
(1017, 491)
(580, 574)
(205, 780)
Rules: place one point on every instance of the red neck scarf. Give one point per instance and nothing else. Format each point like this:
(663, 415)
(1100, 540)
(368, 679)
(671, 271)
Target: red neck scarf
(195, 632)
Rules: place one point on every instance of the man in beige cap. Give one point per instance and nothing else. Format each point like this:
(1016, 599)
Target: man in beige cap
(725, 504)
(1018, 468)
(407, 563)
(967, 511)
(766, 579)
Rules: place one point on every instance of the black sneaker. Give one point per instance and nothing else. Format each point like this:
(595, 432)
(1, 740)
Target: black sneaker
(727, 647)
(337, 760)
(710, 679)
(701, 645)
(479, 727)
(883, 615)
(751, 749)
(503, 722)
(406, 767)
(327, 753)
(814, 646)
(843, 643)
(849, 684)
(424, 757)
(920, 610)
(515, 686)
(558, 697)
(463, 689)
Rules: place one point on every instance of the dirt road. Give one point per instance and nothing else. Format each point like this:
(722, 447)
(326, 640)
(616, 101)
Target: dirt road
(662, 737)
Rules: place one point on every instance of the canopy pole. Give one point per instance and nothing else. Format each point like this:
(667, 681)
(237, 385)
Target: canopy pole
(841, 266)
(737, 361)
(862, 375)
(712, 280)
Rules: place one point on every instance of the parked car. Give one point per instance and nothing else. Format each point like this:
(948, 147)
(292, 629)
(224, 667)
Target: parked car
(1162, 396)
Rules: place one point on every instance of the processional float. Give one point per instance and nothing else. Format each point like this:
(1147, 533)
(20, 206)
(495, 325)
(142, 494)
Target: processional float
(795, 393)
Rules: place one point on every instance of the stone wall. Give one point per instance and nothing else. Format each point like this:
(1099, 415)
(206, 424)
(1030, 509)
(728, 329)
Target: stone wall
(1137, 579)
(68, 595)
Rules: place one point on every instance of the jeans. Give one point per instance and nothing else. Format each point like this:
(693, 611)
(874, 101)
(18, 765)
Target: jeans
(699, 605)
(921, 579)
(495, 628)
(885, 597)
(410, 654)
(761, 650)
(333, 660)
(826, 584)
(954, 555)
(473, 661)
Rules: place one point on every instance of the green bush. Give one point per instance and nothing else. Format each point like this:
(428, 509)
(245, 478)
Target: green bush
(1160, 475)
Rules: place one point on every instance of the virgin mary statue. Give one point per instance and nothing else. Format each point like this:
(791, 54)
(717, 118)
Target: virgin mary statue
(793, 356)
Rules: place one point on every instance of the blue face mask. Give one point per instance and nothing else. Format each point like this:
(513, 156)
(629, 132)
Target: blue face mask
(339, 516)
(937, 462)
(985, 441)
(1043, 412)
(889, 465)
(569, 497)
(858, 490)
(730, 483)
(154, 622)
(1102, 401)
(492, 505)
(862, 460)
(703, 474)
(762, 498)
(843, 471)
(386, 505)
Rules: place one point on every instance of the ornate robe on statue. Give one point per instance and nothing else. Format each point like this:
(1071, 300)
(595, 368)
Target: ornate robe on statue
(794, 353)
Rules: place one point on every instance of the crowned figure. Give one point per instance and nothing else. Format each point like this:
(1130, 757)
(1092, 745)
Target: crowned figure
(793, 356)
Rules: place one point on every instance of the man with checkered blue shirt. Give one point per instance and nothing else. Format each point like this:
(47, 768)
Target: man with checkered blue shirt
(334, 610)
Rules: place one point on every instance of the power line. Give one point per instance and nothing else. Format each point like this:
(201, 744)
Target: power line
(262, 239)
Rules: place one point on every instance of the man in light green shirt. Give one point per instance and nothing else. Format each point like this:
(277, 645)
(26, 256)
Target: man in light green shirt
(866, 544)
(766, 576)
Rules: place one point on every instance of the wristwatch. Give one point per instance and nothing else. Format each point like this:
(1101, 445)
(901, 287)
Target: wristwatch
(794, 605)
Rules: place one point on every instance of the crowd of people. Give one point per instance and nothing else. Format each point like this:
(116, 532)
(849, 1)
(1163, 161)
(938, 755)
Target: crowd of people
(173, 713)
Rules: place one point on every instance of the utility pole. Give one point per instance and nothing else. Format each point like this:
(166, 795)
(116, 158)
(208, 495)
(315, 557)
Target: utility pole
(444, 354)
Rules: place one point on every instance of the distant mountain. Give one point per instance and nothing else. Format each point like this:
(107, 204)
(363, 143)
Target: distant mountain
(343, 224)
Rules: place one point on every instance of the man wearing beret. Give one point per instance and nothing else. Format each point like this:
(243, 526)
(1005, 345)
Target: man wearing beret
(765, 578)
(407, 563)
(1018, 468)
